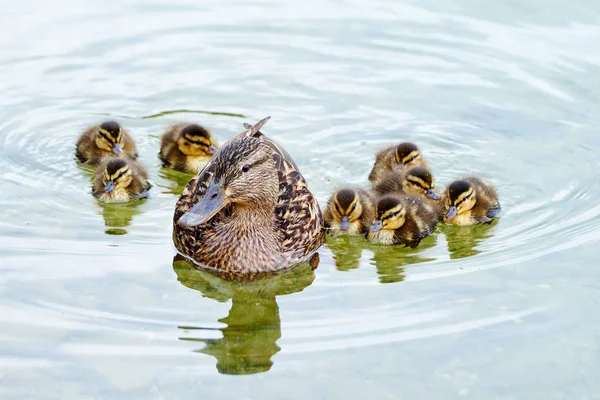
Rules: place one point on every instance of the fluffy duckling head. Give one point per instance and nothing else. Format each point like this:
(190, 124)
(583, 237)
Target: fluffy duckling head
(460, 198)
(110, 137)
(419, 181)
(245, 178)
(347, 210)
(407, 155)
(196, 141)
(117, 175)
(390, 214)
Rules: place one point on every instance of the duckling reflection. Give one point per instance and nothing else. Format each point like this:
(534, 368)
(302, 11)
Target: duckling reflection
(389, 261)
(253, 325)
(463, 240)
(176, 181)
(118, 216)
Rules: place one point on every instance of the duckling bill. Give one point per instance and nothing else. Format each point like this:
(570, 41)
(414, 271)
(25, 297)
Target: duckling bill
(119, 180)
(104, 140)
(249, 211)
(349, 211)
(187, 147)
(402, 220)
(470, 201)
(401, 156)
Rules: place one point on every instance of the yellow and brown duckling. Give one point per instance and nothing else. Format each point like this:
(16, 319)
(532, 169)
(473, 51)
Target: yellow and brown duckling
(402, 220)
(119, 180)
(186, 147)
(415, 181)
(104, 140)
(249, 212)
(470, 201)
(350, 211)
(401, 156)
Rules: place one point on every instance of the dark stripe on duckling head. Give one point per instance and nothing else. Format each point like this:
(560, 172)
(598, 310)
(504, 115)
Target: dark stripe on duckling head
(457, 191)
(420, 176)
(115, 164)
(112, 128)
(345, 197)
(385, 204)
(196, 134)
(404, 150)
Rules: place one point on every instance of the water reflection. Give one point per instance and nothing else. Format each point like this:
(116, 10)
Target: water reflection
(177, 180)
(253, 324)
(389, 260)
(119, 215)
(462, 240)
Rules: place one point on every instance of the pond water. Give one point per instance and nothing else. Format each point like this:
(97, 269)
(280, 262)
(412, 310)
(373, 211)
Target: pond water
(94, 303)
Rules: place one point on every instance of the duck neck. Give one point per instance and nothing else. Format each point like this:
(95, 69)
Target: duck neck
(251, 218)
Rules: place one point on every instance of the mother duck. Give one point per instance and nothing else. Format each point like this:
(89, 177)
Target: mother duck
(248, 212)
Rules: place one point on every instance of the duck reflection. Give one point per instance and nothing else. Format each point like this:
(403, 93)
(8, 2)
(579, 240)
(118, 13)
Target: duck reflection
(462, 240)
(177, 180)
(117, 216)
(389, 260)
(253, 325)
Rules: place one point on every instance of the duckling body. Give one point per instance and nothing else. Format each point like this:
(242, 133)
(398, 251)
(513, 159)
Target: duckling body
(401, 156)
(186, 147)
(470, 201)
(249, 211)
(349, 210)
(402, 220)
(120, 180)
(104, 140)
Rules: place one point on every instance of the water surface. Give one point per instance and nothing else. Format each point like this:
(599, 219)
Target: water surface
(95, 304)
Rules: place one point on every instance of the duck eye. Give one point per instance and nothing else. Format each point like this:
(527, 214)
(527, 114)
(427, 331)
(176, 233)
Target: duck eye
(246, 168)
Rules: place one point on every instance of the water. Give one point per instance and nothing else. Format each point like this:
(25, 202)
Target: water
(93, 303)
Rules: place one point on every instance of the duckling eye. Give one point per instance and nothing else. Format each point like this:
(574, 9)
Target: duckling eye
(246, 168)
(353, 208)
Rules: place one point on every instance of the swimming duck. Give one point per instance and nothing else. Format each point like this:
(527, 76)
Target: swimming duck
(349, 210)
(402, 219)
(249, 211)
(106, 139)
(415, 181)
(470, 201)
(119, 180)
(403, 155)
(186, 147)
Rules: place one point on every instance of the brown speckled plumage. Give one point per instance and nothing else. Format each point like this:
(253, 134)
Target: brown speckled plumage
(419, 220)
(385, 159)
(273, 223)
(87, 150)
(486, 205)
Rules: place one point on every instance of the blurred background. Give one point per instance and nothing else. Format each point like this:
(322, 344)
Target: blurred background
(95, 304)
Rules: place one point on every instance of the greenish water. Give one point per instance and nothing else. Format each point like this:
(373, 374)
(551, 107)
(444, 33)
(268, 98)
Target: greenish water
(94, 305)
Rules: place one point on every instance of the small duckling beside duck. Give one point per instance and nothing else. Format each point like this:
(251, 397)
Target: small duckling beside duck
(104, 140)
(350, 211)
(403, 155)
(402, 220)
(249, 211)
(470, 201)
(119, 180)
(186, 147)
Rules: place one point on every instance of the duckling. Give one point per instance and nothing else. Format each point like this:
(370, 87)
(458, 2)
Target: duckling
(404, 155)
(186, 147)
(106, 139)
(470, 201)
(415, 181)
(119, 180)
(402, 219)
(349, 210)
(249, 212)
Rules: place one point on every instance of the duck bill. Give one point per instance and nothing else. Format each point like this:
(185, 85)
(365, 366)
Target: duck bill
(432, 195)
(400, 166)
(117, 148)
(212, 150)
(451, 212)
(110, 186)
(377, 225)
(211, 203)
(345, 224)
